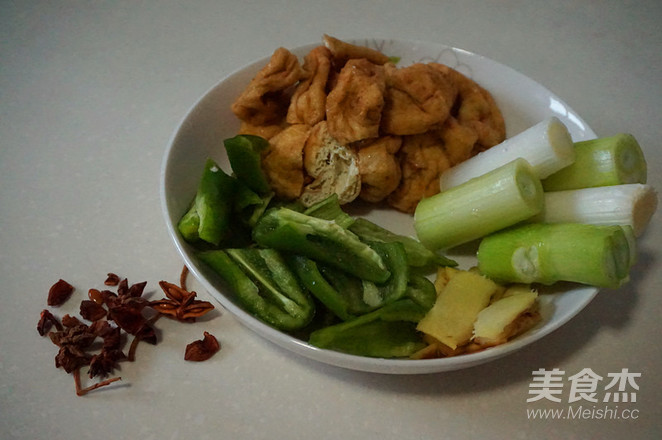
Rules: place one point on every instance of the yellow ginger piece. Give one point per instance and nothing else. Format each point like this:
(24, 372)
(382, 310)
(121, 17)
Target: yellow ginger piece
(444, 274)
(451, 319)
(512, 314)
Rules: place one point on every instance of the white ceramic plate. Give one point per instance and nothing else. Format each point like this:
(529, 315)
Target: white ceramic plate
(523, 103)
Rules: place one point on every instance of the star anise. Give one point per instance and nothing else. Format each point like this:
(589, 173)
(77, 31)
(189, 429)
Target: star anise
(180, 303)
(126, 307)
(91, 310)
(105, 362)
(46, 321)
(202, 349)
(59, 293)
(111, 316)
(73, 342)
(112, 279)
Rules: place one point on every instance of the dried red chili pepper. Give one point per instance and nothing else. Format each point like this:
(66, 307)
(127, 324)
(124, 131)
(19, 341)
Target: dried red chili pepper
(201, 350)
(59, 293)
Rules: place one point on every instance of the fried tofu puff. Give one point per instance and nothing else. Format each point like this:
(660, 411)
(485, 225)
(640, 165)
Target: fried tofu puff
(282, 162)
(422, 159)
(332, 166)
(266, 99)
(349, 121)
(476, 109)
(379, 168)
(308, 104)
(265, 131)
(418, 98)
(343, 52)
(354, 105)
(458, 140)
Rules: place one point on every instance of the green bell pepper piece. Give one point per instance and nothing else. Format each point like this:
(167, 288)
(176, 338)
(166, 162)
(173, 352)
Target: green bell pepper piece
(322, 240)
(395, 258)
(351, 288)
(245, 156)
(417, 254)
(248, 205)
(348, 296)
(387, 332)
(421, 290)
(264, 284)
(312, 279)
(330, 209)
(208, 217)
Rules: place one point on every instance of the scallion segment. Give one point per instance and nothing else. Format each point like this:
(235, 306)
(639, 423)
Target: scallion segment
(546, 253)
(547, 146)
(604, 161)
(493, 201)
(630, 204)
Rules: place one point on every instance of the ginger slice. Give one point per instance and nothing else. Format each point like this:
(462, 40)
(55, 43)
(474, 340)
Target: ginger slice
(507, 317)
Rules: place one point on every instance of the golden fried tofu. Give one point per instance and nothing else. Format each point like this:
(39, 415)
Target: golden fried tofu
(350, 122)
(459, 140)
(308, 104)
(265, 131)
(343, 51)
(266, 99)
(333, 166)
(379, 168)
(418, 98)
(283, 161)
(476, 109)
(354, 105)
(422, 159)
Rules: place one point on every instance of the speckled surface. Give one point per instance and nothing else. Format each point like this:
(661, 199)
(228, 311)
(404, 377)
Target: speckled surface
(90, 94)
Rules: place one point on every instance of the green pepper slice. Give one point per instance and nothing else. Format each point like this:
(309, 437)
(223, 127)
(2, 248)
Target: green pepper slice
(417, 254)
(248, 205)
(312, 279)
(348, 296)
(421, 290)
(208, 217)
(264, 284)
(322, 240)
(388, 332)
(330, 209)
(245, 156)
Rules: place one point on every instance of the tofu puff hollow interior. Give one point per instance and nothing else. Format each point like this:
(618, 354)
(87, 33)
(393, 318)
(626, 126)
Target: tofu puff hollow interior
(348, 120)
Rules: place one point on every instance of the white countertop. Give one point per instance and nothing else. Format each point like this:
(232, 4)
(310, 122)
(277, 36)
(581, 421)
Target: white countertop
(90, 94)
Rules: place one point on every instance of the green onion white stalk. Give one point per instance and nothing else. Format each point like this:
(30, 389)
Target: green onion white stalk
(605, 161)
(630, 204)
(493, 201)
(547, 253)
(547, 146)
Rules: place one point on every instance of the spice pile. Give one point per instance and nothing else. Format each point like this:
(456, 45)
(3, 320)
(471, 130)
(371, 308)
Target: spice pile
(113, 315)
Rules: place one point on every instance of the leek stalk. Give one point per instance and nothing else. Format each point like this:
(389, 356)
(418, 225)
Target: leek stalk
(604, 161)
(493, 201)
(630, 204)
(547, 146)
(547, 253)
